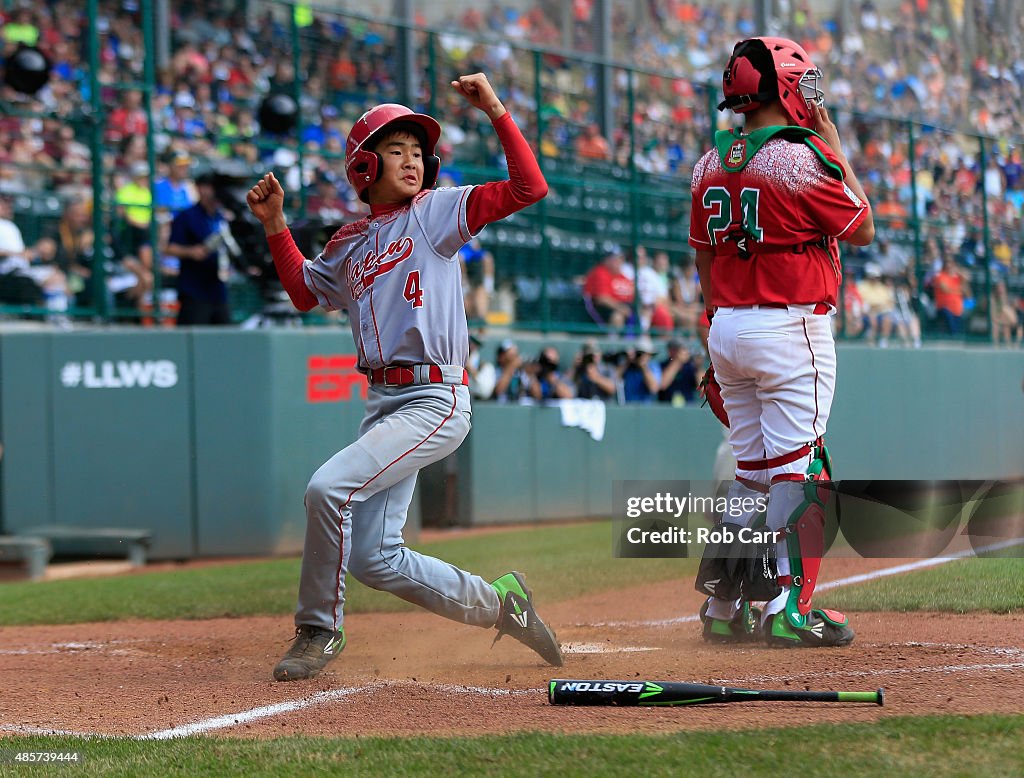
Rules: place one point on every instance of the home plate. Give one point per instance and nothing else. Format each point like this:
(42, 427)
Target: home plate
(601, 648)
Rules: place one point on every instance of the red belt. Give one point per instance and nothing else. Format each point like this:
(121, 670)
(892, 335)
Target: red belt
(404, 375)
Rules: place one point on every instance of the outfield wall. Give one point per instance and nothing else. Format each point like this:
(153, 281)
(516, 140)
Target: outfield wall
(208, 437)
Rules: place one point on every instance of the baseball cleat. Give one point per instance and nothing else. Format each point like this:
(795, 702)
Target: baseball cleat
(519, 619)
(744, 627)
(823, 629)
(313, 648)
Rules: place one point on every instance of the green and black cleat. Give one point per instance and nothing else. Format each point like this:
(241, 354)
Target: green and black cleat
(744, 627)
(823, 629)
(519, 619)
(313, 648)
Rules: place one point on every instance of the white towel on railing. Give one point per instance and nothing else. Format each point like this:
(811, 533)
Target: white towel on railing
(589, 415)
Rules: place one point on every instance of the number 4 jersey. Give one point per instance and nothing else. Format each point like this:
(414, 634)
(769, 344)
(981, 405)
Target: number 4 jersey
(771, 206)
(397, 274)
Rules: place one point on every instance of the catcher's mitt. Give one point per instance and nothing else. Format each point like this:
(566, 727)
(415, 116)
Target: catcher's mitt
(713, 395)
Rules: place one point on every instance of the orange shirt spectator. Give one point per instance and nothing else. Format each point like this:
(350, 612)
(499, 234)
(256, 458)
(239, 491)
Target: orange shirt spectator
(948, 288)
(591, 144)
(891, 210)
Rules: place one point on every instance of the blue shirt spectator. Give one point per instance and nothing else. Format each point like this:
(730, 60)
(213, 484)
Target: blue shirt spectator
(640, 374)
(174, 192)
(201, 238)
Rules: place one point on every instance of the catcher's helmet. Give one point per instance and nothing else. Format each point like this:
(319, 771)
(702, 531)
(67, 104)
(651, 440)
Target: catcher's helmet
(761, 70)
(363, 166)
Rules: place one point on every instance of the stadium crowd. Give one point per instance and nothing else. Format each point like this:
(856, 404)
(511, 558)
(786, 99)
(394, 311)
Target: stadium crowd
(901, 61)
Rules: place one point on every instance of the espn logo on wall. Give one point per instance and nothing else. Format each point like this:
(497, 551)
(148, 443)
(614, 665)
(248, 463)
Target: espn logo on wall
(330, 378)
(120, 374)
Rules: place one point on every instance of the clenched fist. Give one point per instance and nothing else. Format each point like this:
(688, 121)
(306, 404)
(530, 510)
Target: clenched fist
(266, 201)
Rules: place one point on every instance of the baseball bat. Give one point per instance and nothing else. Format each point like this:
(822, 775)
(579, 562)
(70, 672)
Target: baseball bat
(665, 693)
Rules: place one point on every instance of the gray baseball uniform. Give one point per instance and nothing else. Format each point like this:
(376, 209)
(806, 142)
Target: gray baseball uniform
(398, 276)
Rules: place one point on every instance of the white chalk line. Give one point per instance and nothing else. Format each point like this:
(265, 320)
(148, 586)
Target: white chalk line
(231, 720)
(75, 647)
(267, 711)
(244, 717)
(22, 729)
(575, 647)
(885, 572)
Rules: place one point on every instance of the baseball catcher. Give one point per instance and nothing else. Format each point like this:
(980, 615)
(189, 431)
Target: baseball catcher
(770, 203)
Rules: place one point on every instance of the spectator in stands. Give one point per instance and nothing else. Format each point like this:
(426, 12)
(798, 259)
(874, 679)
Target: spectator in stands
(679, 379)
(1006, 328)
(28, 275)
(854, 320)
(135, 210)
(685, 303)
(201, 239)
(592, 376)
(892, 261)
(510, 386)
(948, 290)
(639, 373)
(482, 373)
(905, 319)
(21, 28)
(128, 119)
(591, 144)
(609, 292)
(477, 279)
(75, 240)
(174, 192)
(890, 211)
(546, 381)
(653, 293)
(879, 300)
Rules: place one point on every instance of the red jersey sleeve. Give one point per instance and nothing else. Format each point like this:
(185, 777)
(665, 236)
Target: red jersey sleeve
(828, 202)
(525, 185)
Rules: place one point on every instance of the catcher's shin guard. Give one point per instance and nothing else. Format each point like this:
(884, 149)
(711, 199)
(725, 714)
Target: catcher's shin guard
(797, 513)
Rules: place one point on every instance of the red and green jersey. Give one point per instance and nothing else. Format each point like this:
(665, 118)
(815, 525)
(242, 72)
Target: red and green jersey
(784, 186)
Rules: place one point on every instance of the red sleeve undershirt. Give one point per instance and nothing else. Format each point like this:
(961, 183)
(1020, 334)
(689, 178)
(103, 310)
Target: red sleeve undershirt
(487, 203)
(525, 185)
(289, 260)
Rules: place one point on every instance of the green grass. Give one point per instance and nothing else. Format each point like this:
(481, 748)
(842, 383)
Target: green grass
(995, 585)
(561, 562)
(938, 746)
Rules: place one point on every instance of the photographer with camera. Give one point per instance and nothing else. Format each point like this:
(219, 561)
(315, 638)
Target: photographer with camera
(201, 238)
(593, 377)
(639, 373)
(679, 379)
(547, 383)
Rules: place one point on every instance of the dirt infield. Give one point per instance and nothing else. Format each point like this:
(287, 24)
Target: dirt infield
(414, 673)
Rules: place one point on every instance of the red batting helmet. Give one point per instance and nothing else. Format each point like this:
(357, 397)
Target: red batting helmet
(363, 166)
(761, 70)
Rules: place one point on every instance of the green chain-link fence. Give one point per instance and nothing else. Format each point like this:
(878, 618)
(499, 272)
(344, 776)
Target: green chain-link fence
(630, 190)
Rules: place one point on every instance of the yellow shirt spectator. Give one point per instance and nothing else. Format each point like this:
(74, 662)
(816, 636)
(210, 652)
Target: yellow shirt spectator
(137, 202)
(21, 33)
